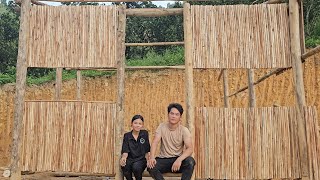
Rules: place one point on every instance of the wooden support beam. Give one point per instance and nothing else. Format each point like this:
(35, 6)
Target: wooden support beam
(189, 71)
(311, 52)
(79, 85)
(58, 84)
(274, 1)
(121, 91)
(113, 0)
(155, 44)
(252, 96)
(33, 2)
(21, 75)
(154, 12)
(225, 88)
(295, 35)
(133, 68)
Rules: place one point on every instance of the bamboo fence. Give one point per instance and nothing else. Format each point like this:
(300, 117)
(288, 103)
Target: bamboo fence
(251, 143)
(68, 137)
(240, 36)
(72, 36)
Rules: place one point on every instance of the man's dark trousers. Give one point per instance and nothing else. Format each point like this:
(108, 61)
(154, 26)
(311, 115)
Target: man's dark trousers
(164, 165)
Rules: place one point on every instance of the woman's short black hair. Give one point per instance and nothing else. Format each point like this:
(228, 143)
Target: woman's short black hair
(177, 106)
(137, 116)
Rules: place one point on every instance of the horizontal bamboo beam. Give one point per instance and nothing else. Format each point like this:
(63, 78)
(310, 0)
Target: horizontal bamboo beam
(33, 2)
(114, 0)
(311, 52)
(154, 44)
(70, 101)
(132, 68)
(154, 12)
(273, 2)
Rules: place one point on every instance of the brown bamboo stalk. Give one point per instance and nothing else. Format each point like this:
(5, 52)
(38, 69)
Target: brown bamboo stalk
(252, 98)
(298, 83)
(155, 44)
(121, 93)
(79, 85)
(154, 12)
(20, 89)
(311, 52)
(58, 84)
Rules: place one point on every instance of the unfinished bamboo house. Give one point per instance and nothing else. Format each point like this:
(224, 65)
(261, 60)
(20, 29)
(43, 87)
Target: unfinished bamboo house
(75, 136)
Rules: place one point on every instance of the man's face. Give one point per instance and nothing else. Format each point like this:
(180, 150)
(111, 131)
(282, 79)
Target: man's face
(174, 116)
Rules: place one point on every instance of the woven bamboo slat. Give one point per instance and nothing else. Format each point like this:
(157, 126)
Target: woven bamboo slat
(241, 36)
(68, 137)
(250, 143)
(66, 36)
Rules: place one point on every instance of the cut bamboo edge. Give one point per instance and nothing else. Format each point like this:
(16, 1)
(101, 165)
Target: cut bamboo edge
(131, 68)
(154, 44)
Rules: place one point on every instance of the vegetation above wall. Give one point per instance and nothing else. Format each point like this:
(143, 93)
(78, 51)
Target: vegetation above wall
(139, 29)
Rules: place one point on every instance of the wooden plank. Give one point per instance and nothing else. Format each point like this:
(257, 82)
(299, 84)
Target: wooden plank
(112, 0)
(58, 84)
(121, 91)
(21, 74)
(189, 71)
(155, 44)
(154, 12)
(298, 82)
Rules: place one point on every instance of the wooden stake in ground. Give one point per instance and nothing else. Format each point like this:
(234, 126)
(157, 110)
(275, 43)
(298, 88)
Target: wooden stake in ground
(21, 74)
(225, 88)
(298, 83)
(121, 77)
(58, 84)
(78, 84)
(252, 96)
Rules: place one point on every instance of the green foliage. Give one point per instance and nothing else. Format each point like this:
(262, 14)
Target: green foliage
(169, 58)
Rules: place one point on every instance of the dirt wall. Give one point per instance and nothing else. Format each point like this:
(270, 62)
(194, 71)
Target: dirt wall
(149, 92)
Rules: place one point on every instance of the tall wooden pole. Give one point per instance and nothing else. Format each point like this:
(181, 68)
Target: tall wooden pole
(252, 96)
(58, 84)
(225, 88)
(78, 84)
(188, 70)
(121, 89)
(21, 75)
(298, 83)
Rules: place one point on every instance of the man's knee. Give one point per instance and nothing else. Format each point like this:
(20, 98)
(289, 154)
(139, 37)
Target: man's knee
(189, 161)
(137, 169)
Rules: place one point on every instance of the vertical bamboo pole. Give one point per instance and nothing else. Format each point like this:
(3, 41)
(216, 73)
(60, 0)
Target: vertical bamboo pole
(21, 74)
(188, 70)
(298, 83)
(252, 96)
(225, 88)
(302, 37)
(58, 84)
(121, 80)
(78, 84)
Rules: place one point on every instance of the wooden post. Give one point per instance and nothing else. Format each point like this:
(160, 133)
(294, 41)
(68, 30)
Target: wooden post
(298, 83)
(302, 37)
(188, 70)
(121, 89)
(21, 75)
(225, 88)
(78, 84)
(252, 96)
(58, 84)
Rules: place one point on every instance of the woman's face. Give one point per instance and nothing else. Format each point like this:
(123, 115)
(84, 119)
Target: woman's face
(137, 125)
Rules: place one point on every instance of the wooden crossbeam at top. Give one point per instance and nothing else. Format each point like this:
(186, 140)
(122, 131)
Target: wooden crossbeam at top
(269, 2)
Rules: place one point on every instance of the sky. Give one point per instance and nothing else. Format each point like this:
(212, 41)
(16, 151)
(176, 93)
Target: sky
(158, 3)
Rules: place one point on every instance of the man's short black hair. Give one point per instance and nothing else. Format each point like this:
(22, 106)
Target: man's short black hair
(138, 116)
(177, 106)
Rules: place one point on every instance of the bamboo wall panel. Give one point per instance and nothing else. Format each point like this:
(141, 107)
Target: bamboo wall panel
(313, 142)
(240, 36)
(72, 36)
(68, 137)
(247, 143)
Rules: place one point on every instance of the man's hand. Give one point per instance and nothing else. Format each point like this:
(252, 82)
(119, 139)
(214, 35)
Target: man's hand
(151, 163)
(176, 165)
(123, 161)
